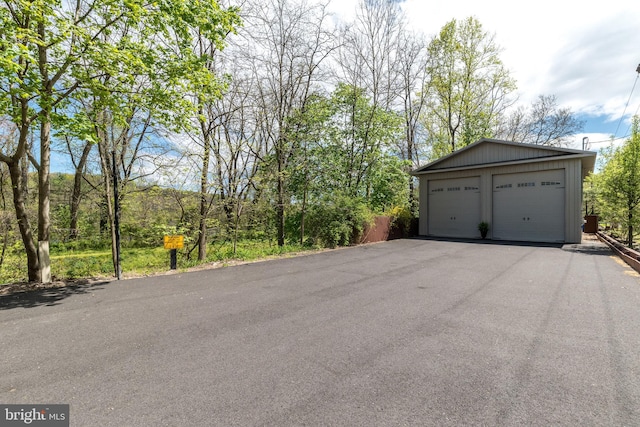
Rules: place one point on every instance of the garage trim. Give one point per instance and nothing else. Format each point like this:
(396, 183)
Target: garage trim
(488, 158)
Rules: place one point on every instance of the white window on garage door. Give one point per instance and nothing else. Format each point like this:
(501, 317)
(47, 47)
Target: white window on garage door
(529, 206)
(454, 207)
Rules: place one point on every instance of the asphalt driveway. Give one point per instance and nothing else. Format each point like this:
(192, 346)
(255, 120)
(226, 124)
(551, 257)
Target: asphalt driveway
(408, 332)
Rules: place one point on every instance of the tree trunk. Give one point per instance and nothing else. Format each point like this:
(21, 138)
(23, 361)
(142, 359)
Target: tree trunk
(77, 192)
(107, 173)
(410, 148)
(6, 227)
(630, 229)
(44, 191)
(280, 205)
(202, 235)
(112, 225)
(236, 225)
(303, 211)
(33, 266)
(44, 186)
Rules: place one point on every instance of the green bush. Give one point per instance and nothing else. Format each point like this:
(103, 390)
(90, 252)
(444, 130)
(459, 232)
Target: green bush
(337, 221)
(401, 219)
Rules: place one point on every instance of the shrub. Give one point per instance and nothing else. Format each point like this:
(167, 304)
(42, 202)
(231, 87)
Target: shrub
(337, 220)
(401, 219)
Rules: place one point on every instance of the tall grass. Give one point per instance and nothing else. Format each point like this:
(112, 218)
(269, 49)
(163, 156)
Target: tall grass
(88, 263)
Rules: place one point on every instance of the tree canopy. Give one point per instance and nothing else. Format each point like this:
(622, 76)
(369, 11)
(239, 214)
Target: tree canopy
(618, 184)
(283, 123)
(468, 87)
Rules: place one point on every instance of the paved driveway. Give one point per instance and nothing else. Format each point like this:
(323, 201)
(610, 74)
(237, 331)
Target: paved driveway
(408, 332)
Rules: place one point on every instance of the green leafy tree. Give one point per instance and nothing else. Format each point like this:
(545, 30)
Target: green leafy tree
(360, 135)
(337, 220)
(619, 184)
(590, 194)
(389, 184)
(51, 50)
(310, 161)
(346, 152)
(290, 42)
(467, 86)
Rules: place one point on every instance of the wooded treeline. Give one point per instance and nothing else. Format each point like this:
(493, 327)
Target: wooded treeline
(282, 121)
(613, 192)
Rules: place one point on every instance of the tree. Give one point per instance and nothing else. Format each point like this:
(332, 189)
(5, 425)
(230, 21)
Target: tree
(7, 139)
(208, 116)
(290, 42)
(345, 154)
(374, 41)
(234, 149)
(467, 89)
(411, 62)
(51, 50)
(79, 165)
(619, 183)
(544, 123)
(313, 132)
(361, 135)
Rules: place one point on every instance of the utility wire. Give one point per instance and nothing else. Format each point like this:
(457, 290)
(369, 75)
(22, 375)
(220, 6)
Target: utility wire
(625, 107)
(628, 132)
(608, 140)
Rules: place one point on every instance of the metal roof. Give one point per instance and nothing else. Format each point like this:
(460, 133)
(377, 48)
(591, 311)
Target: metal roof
(494, 152)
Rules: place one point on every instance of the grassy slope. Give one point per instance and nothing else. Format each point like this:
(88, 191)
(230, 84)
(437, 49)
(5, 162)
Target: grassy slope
(142, 261)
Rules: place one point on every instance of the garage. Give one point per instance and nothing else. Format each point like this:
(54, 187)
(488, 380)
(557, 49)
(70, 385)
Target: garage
(524, 192)
(456, 206)
(529, 206)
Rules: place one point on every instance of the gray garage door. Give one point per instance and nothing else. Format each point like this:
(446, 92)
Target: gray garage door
(529, 206)
(454, 207)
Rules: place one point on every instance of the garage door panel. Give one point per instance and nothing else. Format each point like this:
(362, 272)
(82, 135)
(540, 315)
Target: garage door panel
(529, 206)
(454, 207)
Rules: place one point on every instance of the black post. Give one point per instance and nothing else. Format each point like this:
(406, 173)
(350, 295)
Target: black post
(174, 259)
(116, 213)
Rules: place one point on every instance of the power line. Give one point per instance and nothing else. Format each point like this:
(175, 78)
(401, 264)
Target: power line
(608, 140)
(628, 132)
(625, 107)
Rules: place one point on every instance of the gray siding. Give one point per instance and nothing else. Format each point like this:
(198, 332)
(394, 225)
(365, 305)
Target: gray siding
(573, 191)
(495, 153)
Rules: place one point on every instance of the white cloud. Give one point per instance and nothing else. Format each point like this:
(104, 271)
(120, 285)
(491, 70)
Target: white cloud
(584, 54)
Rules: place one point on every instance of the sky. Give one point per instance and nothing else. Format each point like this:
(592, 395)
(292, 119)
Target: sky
(584, 53)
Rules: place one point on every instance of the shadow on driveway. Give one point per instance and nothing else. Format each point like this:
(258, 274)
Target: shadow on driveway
(51, 296)
(491, 242)
(590, 247)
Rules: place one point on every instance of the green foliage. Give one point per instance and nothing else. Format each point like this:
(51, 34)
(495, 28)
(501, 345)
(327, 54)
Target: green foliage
(138, 261)
(360, 135)
(345, 147)
(468, 86)
(618, 184)
(344, 168)
(389, 183)
(337, 220)
(590, 194)
(117, 39)
(82, 264)
(111, 58)
(401, 219)
(483, 228)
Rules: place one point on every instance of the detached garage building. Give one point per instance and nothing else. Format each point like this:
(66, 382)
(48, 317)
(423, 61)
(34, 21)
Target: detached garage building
(525, 192)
